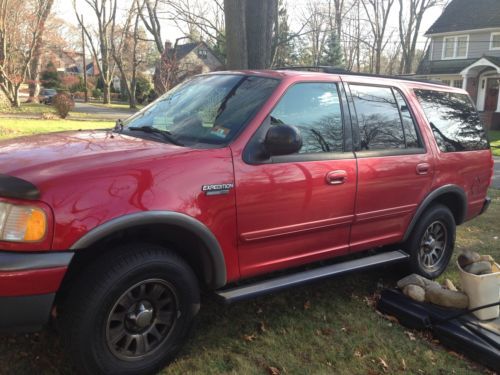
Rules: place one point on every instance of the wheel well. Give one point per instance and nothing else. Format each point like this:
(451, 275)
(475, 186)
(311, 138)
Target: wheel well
(180, 240)
(455, 204)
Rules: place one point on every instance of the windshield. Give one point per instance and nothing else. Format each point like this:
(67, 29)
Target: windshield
(207, 110)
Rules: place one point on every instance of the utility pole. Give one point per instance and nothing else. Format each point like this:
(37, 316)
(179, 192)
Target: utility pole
(84, 65)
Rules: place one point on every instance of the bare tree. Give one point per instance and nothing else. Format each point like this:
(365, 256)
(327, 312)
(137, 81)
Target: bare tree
(149, 14)
(377, 13)
(124, 47)
(105, 16)
(34, 71)
(411, 13)
(21, 26)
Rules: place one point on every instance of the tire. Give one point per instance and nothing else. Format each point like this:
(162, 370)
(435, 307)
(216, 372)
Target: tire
(431, 242)
(130, 312)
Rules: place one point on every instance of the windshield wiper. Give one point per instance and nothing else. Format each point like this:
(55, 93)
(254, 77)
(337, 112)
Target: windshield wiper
(152, 130)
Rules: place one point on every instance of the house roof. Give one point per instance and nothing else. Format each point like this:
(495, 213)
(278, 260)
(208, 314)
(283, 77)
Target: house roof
(462, 15)
(428, 67)
(182, 50)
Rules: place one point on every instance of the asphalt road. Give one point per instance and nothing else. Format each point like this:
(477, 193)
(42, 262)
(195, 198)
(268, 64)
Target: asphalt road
(496, 176)
(105, 113)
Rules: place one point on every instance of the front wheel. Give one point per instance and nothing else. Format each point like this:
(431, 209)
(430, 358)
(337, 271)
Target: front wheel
(131, 312)
(431, 243)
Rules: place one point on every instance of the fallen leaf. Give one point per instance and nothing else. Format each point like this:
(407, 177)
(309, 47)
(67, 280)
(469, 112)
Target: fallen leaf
(358, 354)
(384, 364)
(404, 364)
(273, 371)
(249, 338)
(262, 327)
(410, 335)
(307, 305)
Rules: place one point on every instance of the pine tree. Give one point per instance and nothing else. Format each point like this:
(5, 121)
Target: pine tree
(282, 41)
(332, 55)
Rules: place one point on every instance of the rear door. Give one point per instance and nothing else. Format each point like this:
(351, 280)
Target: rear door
(395, 169)
(298, 208)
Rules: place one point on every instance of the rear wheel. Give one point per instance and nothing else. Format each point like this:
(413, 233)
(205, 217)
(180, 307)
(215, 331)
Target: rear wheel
(131, 312)
(432, 241)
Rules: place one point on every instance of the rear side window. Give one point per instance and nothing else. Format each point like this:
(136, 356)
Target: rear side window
(314, 108)
(384, 119)
(454, 121)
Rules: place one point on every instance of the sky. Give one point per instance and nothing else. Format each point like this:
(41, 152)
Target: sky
(64, 9)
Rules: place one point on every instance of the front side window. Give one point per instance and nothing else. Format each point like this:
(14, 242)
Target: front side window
(455, 47)
(207, 110)
(314, 108)
(379, 120)
(454, 121)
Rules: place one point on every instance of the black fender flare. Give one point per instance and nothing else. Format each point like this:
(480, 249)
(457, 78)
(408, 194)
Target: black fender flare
(189, 223)
(431, 197)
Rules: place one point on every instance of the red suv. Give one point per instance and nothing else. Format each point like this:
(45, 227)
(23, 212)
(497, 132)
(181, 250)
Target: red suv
(229, 177)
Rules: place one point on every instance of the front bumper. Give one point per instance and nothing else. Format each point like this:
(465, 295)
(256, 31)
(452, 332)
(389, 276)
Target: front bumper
(28, 284)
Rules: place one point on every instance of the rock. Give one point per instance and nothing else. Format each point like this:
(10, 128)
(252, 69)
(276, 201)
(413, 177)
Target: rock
(446, 298)
(415, 279)
(468, 257)
(449, 285)
(487, 258)
(415, 292)
(479, 268)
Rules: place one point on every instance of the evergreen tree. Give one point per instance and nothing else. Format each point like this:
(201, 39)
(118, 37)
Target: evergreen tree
(282, 40)
(332, 55)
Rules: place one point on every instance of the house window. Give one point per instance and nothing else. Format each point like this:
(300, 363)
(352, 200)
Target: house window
(446, 82)
(202, 53)
(455, 47)
(458, 83)
(495, 41)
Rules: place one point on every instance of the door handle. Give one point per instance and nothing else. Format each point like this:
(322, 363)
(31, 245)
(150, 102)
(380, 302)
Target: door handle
(336, 177)
(423, 168)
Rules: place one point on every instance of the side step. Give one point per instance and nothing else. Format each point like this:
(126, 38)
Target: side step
(283, 282)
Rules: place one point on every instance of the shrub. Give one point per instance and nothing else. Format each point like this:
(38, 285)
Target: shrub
(97, 93)
(63, 104)
(50, 79)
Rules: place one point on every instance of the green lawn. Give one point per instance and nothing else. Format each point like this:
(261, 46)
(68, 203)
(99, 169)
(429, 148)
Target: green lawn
(494, 136)
(10, 128)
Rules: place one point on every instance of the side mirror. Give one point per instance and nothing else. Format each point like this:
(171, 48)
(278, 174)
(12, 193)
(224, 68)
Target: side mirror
(283, 140)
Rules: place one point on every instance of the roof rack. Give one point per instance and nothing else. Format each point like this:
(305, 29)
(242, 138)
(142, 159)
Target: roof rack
(337, 70)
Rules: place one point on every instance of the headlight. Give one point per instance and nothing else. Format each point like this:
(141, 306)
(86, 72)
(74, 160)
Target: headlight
(22, 223)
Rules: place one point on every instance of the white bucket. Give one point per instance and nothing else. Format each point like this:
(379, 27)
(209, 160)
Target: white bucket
(482, 290)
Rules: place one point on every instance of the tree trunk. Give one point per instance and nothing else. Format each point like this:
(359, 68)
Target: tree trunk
(34, 75)
(236, 36)
(106, 97)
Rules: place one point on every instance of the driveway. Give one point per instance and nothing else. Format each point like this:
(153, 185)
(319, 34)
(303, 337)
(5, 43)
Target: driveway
(496, 176)
(106, 113)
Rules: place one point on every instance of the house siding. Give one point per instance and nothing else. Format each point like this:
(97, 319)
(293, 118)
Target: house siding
(479, 45)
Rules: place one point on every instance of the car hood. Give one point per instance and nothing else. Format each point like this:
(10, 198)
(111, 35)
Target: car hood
(40, 158)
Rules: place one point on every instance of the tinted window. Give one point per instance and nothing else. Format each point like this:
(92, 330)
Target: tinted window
(378, 118)
(314, 108)
(410, 132)
(454, 121)
(208, 109)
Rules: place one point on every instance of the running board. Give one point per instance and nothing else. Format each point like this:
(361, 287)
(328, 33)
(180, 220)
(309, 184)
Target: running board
(283, 282)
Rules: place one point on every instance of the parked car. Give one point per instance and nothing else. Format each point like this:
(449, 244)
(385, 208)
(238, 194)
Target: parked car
(46, 96)
(218, 183)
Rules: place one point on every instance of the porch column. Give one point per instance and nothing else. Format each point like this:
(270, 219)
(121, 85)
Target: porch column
(498, 103)
(464, 82)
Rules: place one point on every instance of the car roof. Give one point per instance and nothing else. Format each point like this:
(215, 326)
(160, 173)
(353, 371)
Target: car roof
(295, 73)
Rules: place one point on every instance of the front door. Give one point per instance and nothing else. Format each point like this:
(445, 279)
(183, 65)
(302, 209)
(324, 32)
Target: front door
(298, 208)
(394, 169)
(491, 95)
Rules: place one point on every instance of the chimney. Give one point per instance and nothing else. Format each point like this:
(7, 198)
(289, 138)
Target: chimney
(168, 46)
